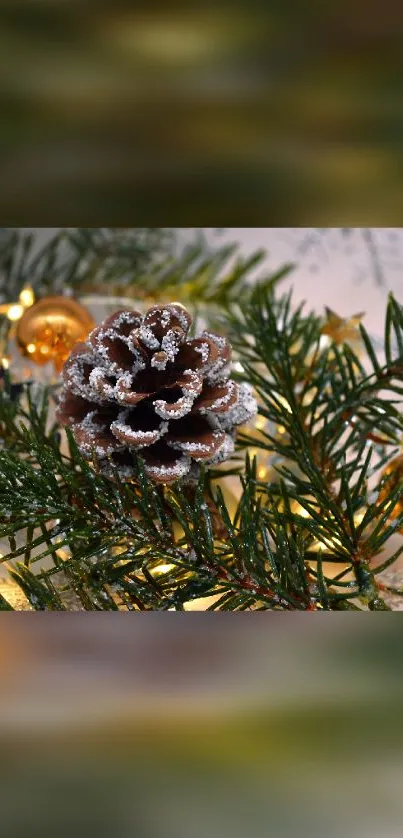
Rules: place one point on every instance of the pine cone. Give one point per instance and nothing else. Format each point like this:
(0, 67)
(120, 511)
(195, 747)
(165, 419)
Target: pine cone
(139, 386)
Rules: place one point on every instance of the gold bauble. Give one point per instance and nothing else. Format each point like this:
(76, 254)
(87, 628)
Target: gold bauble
(392, 475)
(48, 330)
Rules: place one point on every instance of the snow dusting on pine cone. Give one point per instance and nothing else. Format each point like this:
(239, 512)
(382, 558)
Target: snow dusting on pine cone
(140, 386)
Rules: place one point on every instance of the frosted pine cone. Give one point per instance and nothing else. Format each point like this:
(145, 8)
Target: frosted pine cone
(139, 386)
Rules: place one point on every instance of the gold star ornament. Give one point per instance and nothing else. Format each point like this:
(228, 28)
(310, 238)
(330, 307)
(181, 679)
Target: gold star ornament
(342, 329)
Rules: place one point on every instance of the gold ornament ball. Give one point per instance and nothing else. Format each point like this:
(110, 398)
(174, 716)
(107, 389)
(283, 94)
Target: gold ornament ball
(48, 330)
(391, 477)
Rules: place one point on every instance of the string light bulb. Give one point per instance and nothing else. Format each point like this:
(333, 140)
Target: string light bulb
(260, 422)
(262, 472)
(15, 312)
(162, 568)
(27, 297)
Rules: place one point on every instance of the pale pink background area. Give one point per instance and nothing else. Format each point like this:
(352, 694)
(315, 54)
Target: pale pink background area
(347, 269)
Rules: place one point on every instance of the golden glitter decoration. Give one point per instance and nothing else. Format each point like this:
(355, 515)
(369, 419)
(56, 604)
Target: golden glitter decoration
(392, 475)
(340, 329)
(48, 329)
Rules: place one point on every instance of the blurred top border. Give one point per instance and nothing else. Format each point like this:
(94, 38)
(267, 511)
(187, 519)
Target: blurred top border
(185, 116)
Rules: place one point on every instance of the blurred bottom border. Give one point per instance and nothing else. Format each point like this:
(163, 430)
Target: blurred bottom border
(201, 724)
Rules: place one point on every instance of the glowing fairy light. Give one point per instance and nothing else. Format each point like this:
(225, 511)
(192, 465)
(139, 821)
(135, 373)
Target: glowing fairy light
(285, 403)
(201, 604)
(303, 513)
(300, 510)
(237, 366)
(162, 568)
(27, 297)
(260, 423)
(330, 544)
(15, 312)
(63, 554)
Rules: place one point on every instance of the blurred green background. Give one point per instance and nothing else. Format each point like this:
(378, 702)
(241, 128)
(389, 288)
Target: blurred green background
(180, 115)
(201, 726)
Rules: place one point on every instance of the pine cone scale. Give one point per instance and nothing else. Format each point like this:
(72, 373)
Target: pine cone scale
(161, 320)
(93, 434)
(196, 354)
(72, 409)
(199, 440)
(163, 463)
(217, 399)
(180, 400)
(126, 395)
(138, 428)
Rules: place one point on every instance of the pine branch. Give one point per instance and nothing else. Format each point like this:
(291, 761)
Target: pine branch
(115, 537)
(141, 263)
(77, 258)
(330, 455)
